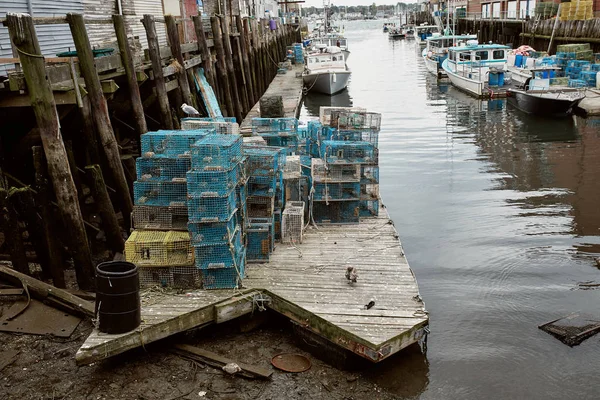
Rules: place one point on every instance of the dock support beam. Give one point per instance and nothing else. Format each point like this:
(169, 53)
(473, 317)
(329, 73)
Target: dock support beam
(230, 70)
(100, 115)
(181, 73)
(221, 68)
(23, 36)
(159, 79)
(134, 89)
(207, 64)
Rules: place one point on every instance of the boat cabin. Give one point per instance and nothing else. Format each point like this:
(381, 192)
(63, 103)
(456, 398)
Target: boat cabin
(439, 44)
(332, 41)
(326, 58)
(478, 54)
(426, 31)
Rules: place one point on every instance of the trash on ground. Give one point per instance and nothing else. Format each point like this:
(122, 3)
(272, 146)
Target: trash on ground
(290, 362)
(572, 329)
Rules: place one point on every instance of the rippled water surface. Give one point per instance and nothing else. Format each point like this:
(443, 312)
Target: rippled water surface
(499, 215)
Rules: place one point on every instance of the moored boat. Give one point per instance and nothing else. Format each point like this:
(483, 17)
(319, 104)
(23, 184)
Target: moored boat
(436, 51)
(326, 71)
(422, 32)
(537, 97)
(478, 69)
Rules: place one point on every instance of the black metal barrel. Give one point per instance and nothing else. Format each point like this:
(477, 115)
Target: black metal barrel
(117, 297)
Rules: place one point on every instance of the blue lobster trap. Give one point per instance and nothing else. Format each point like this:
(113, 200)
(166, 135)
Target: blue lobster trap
(333, 151)
(369, 174)
(216, 150)
(260, 206)
(212, 182)
(357, 136)
(226, 127)
(260, 235)
(211, 208)
(213, 232)
(289, 142)
(277, 224)
(170, 143)
(355, 120)
(160, 193)
(221, 255)
(336, 212)
(208, 119)
(261, 125)
(225, 278)
(264, 185)
(264, 160)
(161, 168)
(369, 208)
(336, 191)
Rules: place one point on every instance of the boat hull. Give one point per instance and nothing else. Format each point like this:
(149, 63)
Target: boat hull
(544, 106)
(432, 67)
(470, 86)
(326, 82)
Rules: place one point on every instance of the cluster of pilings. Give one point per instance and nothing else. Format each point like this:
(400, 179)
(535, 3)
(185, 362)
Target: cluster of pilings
(62, 194)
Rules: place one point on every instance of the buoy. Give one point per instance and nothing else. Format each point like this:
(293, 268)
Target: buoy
(334, 78)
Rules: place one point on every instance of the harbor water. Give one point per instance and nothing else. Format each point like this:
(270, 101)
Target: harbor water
(499, 216)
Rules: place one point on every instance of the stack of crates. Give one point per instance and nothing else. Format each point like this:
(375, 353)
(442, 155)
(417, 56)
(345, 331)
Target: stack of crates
(260, 234)
(214, 193)
(223, 125)
(351, 156)
(577, 10)
(264, 166)
(298, 53)
(160, 244)
(278, 132)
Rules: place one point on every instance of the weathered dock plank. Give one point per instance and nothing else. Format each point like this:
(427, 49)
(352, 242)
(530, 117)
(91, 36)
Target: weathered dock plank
(289, 87)
(307, 284)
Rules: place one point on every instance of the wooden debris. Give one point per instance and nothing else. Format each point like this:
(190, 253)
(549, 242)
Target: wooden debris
(48, 294)
(216, 360)
(7, 357)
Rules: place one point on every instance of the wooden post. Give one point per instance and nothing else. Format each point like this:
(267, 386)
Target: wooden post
(262, 54)
(229, 63)
(112, 230)
(175, 45)
(23, 36)
(127, 61)
(12, 234)
(89, 131)
(207, 64)
(43, 199)
(104, 128)
(159, 79)
(73, 167)
(250, 51)
(246, 60)
(221, 68)
(238, 63)
(23, 203)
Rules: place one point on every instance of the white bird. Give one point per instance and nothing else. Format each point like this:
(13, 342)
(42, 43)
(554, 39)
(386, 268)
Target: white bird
(189, 110)
(231, 368)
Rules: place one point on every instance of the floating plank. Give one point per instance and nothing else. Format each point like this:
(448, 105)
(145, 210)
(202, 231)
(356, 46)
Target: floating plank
(207, 93)
(216, 360)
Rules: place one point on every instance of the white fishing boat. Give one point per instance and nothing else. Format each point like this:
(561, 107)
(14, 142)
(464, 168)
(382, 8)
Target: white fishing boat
(436, 51)
(476, 68)
(326, 71)
(422, 32)
(333, 39)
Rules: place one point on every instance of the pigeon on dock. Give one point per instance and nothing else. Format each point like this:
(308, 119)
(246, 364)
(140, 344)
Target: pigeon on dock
(351, 274)
(189, 110)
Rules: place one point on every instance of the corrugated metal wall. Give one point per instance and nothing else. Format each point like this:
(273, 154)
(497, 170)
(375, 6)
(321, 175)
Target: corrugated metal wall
(100, 33)
(15, 6)
(139, 8)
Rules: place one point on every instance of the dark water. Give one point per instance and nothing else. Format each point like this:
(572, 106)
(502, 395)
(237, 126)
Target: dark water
(499, 215)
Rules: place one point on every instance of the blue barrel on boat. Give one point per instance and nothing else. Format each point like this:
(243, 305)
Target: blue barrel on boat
(117, 297)
(500, 78)
(493, 79)
(518, 60)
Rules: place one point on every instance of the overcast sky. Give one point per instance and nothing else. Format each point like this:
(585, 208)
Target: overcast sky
(319, 3)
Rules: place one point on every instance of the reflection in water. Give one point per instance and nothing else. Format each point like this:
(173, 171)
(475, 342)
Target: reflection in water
(313, 101)
(499, 217)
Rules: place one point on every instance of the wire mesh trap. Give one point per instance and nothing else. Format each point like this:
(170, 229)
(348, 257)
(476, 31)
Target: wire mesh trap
(325, 112)
(222, 255)
(262, 125)
(335, 151)
(226, 127)
(225, 278)
(573, 329)
(160, 193)
(292, 224)
(160, 218)
(188, 277)
(264, 160)
(170, 144)
(161, 168)
(216, 150)
(159, 248)
(211, 208)
(322, 172)
(213, 232)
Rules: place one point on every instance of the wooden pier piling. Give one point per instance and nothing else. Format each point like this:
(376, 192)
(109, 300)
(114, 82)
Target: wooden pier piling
(221, 67)
(207, 62)
(237, 104)
(100, 111)
(23, 36)
(244, 45)
(181, 74)
(157, 71)
(127, 61)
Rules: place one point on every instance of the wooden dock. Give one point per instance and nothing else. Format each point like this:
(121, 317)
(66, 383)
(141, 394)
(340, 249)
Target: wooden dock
(307, 284)
(289, 87)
